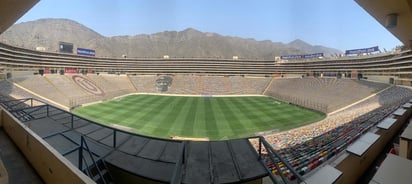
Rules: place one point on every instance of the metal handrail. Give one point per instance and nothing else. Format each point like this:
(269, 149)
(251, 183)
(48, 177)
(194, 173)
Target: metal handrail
(83, 143)
(7, 103)
(286, 163)
(274, 158)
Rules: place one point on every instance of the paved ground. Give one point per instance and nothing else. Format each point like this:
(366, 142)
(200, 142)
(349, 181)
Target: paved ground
(18, 168)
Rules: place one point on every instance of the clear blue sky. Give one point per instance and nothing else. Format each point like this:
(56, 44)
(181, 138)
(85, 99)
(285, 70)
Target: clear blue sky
(340, 24)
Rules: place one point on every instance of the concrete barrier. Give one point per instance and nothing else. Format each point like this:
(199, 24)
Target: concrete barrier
(49, 164)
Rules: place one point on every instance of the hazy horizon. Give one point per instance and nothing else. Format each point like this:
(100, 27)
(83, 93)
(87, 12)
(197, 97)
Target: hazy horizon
(339, 24)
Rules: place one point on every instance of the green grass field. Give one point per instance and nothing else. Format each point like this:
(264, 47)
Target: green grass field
(215, 118)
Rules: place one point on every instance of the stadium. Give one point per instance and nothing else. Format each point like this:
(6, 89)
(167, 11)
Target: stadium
(208, 120)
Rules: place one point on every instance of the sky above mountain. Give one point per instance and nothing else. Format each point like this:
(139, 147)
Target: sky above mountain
(341, 24)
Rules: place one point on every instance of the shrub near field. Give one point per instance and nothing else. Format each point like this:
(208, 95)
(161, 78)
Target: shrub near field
(214, 118)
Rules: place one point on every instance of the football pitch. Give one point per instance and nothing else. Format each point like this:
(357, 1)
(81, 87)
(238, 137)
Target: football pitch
(215, 118)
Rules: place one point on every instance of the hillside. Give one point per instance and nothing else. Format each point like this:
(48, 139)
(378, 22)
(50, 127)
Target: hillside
(187, 43)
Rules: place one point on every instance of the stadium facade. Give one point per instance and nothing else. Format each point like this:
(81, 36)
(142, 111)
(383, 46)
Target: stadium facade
(40, 88)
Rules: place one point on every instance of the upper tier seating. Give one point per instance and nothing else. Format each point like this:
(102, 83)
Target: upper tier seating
(322, 94)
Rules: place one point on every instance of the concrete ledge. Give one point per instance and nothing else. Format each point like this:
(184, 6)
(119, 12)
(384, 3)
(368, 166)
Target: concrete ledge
(4, 176)
(47, 162)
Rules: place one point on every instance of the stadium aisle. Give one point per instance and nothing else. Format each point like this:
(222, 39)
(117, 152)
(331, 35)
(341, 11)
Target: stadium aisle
(18, 168)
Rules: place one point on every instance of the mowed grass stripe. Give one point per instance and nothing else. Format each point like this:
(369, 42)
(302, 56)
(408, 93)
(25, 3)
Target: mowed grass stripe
(133, 119)
(210, 120)
(199, 127)
(187, 130)
(132, 116)
(154, 113)
(179, 124)
(272, 113)
(170, 118)
(123, 114)
(267, 111)
(154, 118)
(232, 119)
(225, 126)
(100, 112)
(216, 117)
(300, 117)
(264, 111)
(251, 117)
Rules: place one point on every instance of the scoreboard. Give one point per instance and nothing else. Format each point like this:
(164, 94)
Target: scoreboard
(66, 47)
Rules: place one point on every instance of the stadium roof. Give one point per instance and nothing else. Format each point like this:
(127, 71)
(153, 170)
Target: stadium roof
(12, 10)
(395, 16)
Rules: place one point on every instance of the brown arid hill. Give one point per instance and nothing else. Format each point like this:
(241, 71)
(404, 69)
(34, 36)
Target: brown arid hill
(189, 43)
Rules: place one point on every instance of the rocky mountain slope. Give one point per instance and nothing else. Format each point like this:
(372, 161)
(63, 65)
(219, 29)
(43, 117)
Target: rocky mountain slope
(187, 43)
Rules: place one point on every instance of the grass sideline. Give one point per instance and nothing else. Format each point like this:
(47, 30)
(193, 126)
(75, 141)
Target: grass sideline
(213, 118)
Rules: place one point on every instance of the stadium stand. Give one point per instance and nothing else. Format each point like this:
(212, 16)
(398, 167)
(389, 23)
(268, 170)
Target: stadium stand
(386, 98)
(218, 85)
(41, 87)
(9, 89)
(305, 149)
(111, 83)
(313, 93)
(184, 84)
(144, 83)
(256, 85)
(212, 85)
(320, 93)
(310, 150)
(65, 85)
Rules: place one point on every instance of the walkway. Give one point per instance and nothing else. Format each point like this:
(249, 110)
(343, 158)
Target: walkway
(18, 168)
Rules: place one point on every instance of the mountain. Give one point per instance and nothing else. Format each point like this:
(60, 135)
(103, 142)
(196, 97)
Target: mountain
(187, 43)
(307, 48)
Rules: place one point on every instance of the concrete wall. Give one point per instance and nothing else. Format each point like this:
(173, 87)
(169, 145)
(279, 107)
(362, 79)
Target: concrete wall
(405, 148)
(353, 167)
(405, 144)
(403, 82)
(16, 74)
(125, 177)
(4, 177)
(1, 114)
(49, 164)
(379, 78)
(293, 75)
